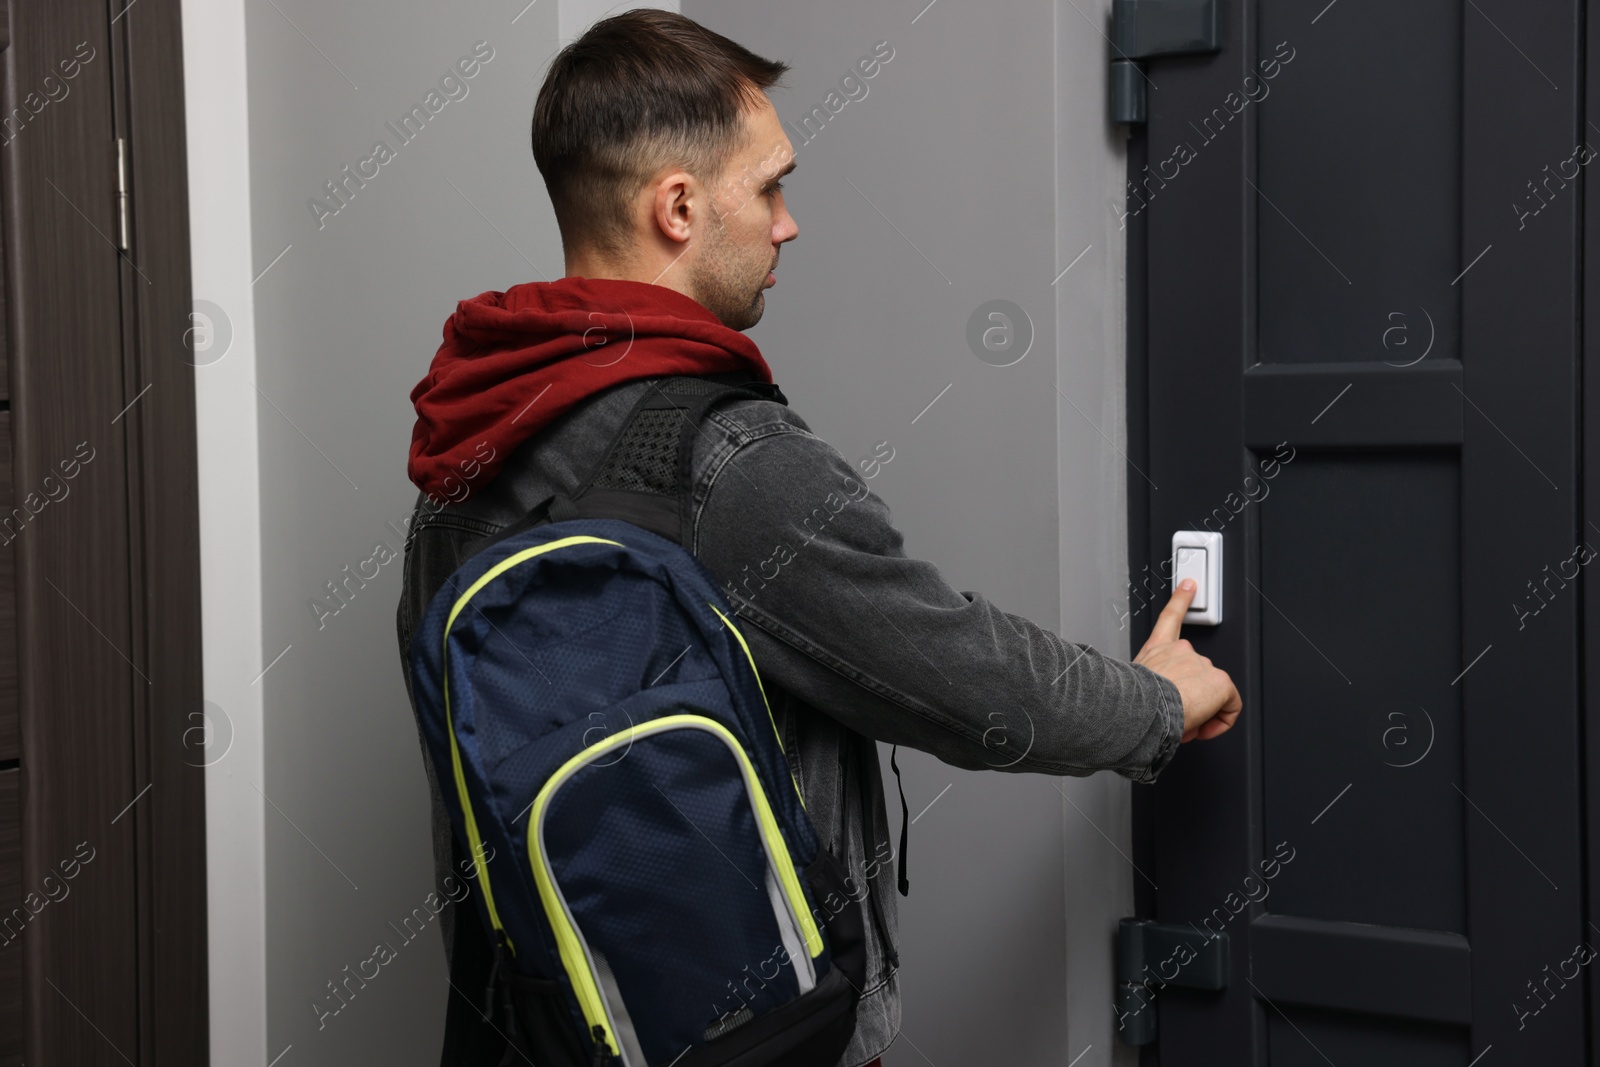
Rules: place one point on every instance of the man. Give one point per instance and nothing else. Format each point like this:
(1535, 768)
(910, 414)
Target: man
(663, 158)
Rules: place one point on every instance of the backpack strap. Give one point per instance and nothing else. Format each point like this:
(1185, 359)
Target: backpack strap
(632, 481)
(644, 474)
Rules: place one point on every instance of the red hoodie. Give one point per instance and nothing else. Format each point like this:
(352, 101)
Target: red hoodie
(512, 362)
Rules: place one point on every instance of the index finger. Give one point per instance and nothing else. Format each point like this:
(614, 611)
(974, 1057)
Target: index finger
(1170, 620)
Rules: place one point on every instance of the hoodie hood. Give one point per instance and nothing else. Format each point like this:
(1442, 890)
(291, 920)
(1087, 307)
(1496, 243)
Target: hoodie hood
(513, 362)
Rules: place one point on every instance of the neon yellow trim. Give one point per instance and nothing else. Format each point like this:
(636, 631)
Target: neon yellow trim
(573, 956)
(729, 624)
(473, 837)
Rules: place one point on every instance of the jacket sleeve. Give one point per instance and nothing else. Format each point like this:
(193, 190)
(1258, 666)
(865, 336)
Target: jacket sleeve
(836, 612)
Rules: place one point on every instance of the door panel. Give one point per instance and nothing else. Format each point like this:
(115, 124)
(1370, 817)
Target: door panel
(72, 556)
(1359, 138)
(1307, 1037)
(1359, 331)
(1363, 553)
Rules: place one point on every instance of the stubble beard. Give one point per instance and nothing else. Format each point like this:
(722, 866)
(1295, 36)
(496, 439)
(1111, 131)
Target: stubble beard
(722, 279)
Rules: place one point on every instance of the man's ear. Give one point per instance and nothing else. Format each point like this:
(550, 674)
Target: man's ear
(676, 206)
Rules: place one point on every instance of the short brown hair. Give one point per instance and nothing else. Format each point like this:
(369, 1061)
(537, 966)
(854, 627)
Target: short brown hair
(639, 91)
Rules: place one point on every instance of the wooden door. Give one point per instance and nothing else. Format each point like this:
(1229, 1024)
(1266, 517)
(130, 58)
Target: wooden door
(102, 859)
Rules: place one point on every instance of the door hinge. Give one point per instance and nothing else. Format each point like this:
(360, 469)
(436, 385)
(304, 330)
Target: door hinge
(122, 194)
(1151, 956)
(1142, 29)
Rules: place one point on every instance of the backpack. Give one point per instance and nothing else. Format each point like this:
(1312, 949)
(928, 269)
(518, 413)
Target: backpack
(648, 875)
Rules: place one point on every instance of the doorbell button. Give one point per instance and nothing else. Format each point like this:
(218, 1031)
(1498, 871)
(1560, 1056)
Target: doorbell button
(1197, 554)
(1190, 562)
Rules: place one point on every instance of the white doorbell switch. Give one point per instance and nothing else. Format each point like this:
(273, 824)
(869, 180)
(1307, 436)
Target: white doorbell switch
(1197, 554)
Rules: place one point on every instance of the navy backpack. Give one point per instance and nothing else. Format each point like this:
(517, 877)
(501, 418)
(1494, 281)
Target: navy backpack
(652, 884)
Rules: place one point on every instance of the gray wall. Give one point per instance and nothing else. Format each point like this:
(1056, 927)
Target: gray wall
(976, 168)
(938, 190)
(346, 323)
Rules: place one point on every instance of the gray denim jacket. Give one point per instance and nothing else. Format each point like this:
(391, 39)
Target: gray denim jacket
(855, 642)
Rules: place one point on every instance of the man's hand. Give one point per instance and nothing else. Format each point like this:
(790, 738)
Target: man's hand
(1210, 701)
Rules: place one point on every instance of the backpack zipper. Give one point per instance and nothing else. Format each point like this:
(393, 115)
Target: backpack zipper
(574, 951)
(474, 837)
(583, 979)
(770, 717)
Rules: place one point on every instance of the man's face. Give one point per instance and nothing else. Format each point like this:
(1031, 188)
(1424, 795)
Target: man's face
(747, 223)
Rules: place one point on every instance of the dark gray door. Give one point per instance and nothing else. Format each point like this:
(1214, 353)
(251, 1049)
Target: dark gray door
(1355, 285)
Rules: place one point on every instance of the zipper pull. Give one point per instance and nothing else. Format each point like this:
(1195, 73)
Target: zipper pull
(602, 1055)
(494, 977)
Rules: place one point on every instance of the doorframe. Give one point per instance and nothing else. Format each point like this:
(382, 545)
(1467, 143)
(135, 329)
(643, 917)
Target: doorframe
(1137, 388)
(174, 994)
(1588, 398)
